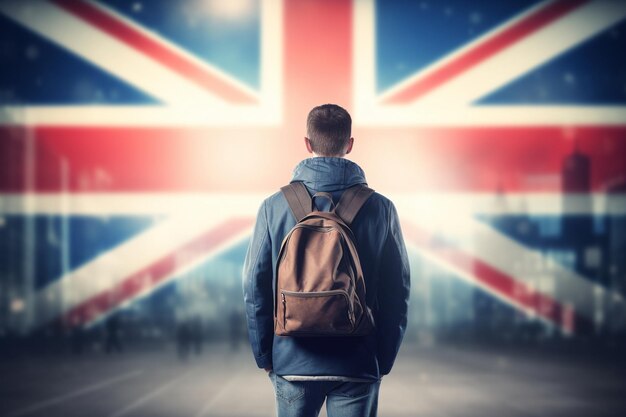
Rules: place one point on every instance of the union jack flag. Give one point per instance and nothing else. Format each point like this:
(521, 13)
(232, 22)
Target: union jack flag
(138, 139)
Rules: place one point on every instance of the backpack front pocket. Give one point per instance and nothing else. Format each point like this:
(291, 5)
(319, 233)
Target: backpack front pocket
(317, 312)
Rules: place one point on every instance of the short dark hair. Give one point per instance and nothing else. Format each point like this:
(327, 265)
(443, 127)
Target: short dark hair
(329, 128)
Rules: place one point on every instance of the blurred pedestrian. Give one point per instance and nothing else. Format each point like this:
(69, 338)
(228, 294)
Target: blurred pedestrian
(183, 338)
(112, 341)
(236, 322)
(196, 335)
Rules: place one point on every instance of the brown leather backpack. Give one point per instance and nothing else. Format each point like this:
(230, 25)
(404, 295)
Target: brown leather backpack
(320, 289)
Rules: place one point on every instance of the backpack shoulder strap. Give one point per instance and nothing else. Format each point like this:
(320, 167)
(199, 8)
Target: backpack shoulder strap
(351, 202)
(298, 199)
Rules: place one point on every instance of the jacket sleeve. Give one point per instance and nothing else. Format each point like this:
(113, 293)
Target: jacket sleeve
(393, 294)
(258, 292)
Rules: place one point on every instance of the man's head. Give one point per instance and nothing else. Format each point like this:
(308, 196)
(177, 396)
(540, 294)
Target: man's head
(329, 129)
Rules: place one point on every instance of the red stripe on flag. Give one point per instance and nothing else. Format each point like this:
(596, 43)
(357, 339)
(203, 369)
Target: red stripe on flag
(484, 50)
(515, 292)
(156, 273)
(318, 56)
(512, 159)
(157, 51)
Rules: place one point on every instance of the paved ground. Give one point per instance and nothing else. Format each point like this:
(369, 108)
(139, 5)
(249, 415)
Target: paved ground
(433, 382)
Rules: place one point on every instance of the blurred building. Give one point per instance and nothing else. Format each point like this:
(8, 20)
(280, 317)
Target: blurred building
(615, 260)
(578, 239)
(577, 222)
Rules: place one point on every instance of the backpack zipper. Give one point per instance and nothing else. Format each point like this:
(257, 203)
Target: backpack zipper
(284, 301)
(314, 293)
(309, 294)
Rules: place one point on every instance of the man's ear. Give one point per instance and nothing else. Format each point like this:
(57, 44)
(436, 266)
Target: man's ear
(350, 143)
(307, 142)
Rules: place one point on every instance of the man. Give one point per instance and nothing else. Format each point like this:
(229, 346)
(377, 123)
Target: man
(344, 371)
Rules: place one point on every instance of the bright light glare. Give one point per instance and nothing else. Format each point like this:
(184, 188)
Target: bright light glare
(17, 305)
(230, 9)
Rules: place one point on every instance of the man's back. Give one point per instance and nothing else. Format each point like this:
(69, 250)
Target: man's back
(382, 254)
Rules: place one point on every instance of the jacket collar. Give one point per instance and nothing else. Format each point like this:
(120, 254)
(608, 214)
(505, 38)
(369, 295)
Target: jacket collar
(324, 173)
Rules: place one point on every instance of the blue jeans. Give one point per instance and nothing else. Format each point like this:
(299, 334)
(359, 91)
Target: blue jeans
(343, 399)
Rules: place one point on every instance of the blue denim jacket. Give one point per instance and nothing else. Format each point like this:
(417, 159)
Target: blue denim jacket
(385, 268)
